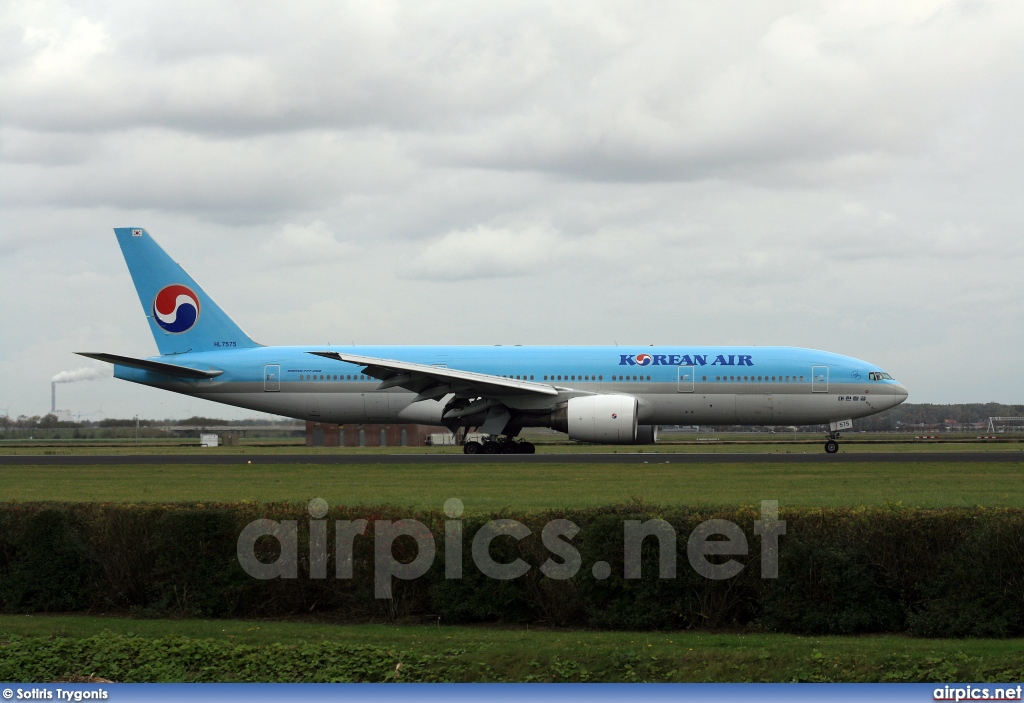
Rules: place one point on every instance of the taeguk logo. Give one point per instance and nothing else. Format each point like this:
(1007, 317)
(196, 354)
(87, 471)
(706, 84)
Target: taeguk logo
(176, 308)
(643, 359)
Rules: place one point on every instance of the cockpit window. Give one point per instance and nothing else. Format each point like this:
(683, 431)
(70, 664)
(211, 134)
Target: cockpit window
(879, 376)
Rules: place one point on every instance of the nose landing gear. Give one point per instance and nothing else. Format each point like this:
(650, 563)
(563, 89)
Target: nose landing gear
(831, 445)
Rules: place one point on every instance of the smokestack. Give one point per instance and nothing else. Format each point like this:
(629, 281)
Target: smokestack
(84, 373)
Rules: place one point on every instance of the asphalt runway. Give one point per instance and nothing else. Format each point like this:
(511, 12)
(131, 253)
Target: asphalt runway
(618, 458)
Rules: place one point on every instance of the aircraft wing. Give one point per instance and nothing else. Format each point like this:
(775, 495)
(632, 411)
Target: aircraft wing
(433, 382)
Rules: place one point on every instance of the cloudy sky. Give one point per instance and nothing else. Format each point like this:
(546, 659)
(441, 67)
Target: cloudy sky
(839, 175)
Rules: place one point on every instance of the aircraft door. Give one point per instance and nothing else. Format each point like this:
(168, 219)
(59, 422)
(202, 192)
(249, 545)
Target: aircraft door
(685, 379)
(819, 379)
(272, 377)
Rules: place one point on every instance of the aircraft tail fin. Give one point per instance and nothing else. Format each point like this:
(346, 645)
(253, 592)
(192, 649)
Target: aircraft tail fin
(181, 315)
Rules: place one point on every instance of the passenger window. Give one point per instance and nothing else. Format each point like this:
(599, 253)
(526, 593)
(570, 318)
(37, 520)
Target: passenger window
(705, 378)
(600, 378)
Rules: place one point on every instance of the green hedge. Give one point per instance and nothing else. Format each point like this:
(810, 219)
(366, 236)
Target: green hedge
(955, 572)
(129, 658)
(176, 659)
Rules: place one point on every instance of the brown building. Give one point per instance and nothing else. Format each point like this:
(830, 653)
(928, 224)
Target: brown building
(324, 434)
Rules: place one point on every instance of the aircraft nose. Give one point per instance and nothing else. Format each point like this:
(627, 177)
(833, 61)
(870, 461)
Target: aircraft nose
(899, 392)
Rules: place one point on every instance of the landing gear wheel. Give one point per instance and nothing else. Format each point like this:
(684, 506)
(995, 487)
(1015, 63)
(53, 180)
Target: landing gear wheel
(509, 448)
(471, 448)
(831, 446)
(491, 448)
(526, 448)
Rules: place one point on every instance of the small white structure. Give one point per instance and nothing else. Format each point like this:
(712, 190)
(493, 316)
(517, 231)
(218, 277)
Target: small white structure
(209, 440)
(440, 439)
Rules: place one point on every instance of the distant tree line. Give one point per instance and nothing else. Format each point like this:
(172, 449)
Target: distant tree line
(931, 416)
(907, 417)
(51, 421)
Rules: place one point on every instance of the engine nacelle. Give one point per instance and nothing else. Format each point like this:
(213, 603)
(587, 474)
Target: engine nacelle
(605, 419)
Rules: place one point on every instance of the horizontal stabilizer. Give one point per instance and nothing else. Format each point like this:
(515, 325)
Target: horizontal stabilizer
(155, 366)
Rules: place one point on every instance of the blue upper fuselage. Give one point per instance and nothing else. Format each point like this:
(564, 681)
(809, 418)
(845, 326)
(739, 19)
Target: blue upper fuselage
(560, 364)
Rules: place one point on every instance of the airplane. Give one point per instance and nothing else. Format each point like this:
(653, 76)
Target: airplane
(600, 394)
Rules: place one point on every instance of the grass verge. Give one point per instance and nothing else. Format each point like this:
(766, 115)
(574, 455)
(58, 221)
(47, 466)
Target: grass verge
(485, 487)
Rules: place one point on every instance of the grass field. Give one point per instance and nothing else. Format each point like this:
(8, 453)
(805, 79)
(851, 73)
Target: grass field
(136, 649)
(484, 487)
(496, 654)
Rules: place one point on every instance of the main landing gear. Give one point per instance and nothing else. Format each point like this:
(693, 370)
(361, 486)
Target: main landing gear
(499, 445)
(831, 445)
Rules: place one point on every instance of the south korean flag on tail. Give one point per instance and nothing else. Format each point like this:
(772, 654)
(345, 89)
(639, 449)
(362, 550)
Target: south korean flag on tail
(136, 232)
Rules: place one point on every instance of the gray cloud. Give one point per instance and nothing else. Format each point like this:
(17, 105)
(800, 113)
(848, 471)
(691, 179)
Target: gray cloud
(836, 175)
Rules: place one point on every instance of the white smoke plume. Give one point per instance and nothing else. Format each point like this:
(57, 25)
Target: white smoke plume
(85, 373)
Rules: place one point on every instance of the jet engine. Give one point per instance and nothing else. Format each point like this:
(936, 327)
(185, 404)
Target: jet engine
(605, 419)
